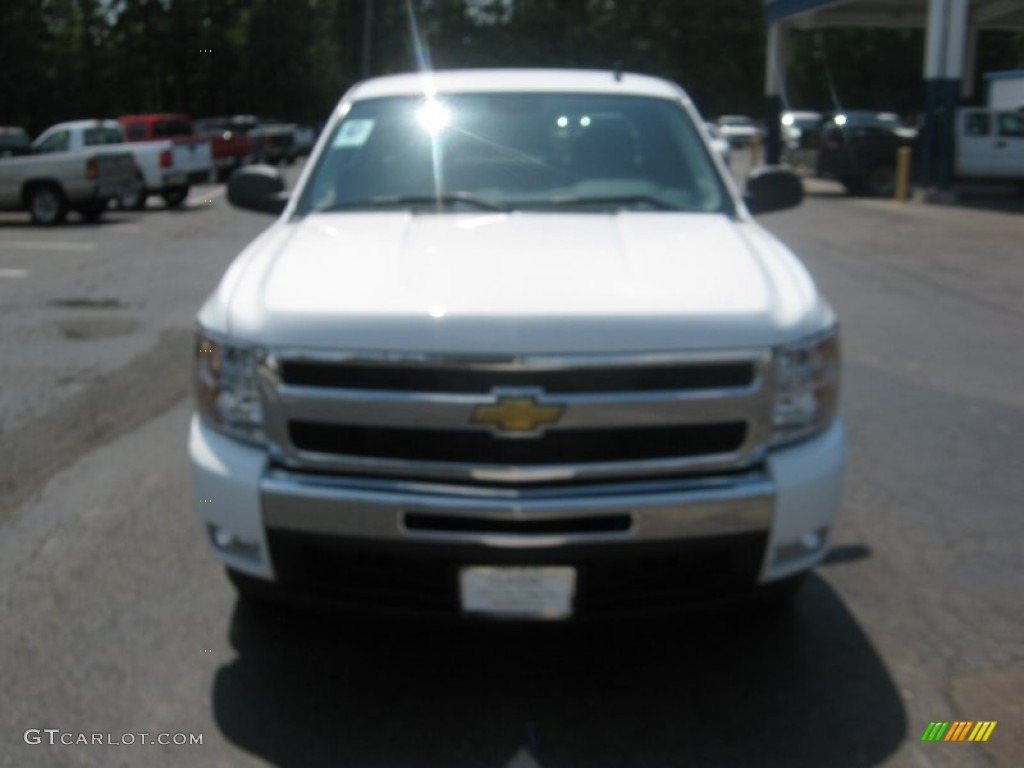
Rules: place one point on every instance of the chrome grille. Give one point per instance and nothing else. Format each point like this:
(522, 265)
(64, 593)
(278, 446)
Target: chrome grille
(619, 417)
(469, 380)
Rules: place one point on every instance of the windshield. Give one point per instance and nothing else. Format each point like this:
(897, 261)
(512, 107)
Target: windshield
(870, 119)
(516, 151)
(801, 119)
(888, 118)
(164, 128)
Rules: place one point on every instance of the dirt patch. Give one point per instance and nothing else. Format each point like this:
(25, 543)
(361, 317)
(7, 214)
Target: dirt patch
(84, 328)
(85, 302)
(112, 405)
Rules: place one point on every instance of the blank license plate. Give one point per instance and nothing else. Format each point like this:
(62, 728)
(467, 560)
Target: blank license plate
(521, 592)
(177, 180)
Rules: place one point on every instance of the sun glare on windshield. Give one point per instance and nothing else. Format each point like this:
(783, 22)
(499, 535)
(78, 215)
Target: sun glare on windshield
(433, 116)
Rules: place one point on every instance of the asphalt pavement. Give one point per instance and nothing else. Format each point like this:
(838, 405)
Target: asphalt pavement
(116, 620)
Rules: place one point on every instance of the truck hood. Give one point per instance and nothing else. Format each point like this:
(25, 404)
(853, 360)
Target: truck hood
(516, 283)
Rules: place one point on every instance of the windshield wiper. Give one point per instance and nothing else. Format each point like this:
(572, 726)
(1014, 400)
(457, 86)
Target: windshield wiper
(618, 201)
(446, 199)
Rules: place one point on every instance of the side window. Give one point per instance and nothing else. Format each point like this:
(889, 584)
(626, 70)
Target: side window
(977, 124)
(96, 136)
(55, 142)
(1011, 124)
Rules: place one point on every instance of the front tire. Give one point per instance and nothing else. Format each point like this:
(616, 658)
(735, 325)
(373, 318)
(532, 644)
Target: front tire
(175, 197)
(260, 598)
(779, 597)
(854, 185)
(47, 205)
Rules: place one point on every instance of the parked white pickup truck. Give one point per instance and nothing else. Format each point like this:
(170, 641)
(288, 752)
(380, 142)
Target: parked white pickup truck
(165, 167)
(516, 347)
(990, 144)
(50, 185)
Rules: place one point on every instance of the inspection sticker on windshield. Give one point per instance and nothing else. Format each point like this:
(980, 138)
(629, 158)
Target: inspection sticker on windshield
(520, 592)
(354, 133)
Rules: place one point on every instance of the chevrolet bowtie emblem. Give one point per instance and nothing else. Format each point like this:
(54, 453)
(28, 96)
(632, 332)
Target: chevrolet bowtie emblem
(517, 414)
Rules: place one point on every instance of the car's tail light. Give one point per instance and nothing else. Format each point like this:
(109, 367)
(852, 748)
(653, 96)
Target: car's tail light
(166, 158)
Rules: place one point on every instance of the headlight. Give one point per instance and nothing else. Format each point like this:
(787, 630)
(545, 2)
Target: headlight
(227, 387)
(806, 387)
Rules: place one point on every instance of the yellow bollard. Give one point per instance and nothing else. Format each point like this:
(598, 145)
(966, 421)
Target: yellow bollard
(901, 189)
(755, 151)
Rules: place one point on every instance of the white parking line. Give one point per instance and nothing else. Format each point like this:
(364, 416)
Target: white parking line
(55, 245)
(13, 272)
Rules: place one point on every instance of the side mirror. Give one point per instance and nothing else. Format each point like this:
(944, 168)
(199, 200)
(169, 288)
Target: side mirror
(773, 189)
(258, 188)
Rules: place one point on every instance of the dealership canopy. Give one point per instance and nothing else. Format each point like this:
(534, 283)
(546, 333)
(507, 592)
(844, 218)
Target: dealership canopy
(951, 28)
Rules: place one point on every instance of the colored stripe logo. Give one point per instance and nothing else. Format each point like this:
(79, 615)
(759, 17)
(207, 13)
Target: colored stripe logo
(959, 730)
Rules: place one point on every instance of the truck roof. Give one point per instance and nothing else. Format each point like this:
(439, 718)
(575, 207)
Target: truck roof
(74, 125)
(518, 80)
(154, 116)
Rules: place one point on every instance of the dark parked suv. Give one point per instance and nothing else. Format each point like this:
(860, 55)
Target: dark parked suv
(858, 149)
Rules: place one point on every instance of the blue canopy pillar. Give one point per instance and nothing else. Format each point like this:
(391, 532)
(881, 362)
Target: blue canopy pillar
(774, 91)
(946, 34)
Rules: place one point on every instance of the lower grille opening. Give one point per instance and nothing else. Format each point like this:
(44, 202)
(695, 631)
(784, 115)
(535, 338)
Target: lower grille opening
(420, 521)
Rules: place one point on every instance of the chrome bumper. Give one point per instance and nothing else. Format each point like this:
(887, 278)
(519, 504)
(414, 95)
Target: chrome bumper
(555, 517)
(788, 506)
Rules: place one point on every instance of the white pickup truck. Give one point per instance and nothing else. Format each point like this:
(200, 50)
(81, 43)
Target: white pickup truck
(165, 167)
(516, 347)
(990, 144)
(49, 185)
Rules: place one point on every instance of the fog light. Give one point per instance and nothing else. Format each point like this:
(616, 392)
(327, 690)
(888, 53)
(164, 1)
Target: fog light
(222, 537)
(808, 544)
(228, 541)
(812, 541)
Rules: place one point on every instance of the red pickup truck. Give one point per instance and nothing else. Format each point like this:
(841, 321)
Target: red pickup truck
(231, 148)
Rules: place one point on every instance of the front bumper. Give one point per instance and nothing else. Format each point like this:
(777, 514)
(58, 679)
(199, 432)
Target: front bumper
(390, 544)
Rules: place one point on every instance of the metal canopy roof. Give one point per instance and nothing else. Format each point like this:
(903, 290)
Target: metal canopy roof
(818, 14)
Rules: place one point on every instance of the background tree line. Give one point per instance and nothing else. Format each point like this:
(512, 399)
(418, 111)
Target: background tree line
(64, 59)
